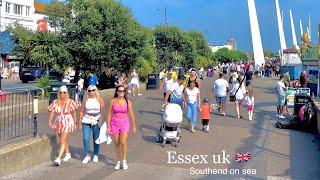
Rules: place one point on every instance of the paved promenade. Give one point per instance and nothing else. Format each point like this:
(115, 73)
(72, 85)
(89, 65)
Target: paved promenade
(276, 153)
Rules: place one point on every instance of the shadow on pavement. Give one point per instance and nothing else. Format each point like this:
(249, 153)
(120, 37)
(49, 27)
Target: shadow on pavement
(151, 112)
(153, 98)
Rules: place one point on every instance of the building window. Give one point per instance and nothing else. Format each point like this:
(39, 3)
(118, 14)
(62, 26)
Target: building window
(8, 5)
(27, 10)
(17, 9)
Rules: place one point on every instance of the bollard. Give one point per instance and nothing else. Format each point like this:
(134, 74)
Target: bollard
(35, 115)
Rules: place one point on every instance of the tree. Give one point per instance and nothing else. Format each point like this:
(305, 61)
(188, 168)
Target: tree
(268, 54)
(225, 55)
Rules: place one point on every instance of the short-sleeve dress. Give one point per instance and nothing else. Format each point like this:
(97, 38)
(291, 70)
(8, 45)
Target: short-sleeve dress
(64, 122)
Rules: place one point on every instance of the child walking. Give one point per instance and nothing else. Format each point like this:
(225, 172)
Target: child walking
(205, 110)
(250, 103)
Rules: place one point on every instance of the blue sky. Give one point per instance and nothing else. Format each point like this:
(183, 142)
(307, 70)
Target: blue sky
(219, 20)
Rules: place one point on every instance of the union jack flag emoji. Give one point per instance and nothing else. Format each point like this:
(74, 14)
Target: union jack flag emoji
(241, 157)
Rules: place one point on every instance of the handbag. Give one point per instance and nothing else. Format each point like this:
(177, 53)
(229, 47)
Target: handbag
(233, 97)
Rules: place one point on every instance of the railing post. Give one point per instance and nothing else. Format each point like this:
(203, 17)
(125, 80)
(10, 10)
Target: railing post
(35, 114)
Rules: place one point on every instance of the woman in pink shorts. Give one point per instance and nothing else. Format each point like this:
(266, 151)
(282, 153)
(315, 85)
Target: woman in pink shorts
(120, 108)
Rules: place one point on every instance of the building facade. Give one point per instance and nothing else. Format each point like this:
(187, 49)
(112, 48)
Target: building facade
(28, 13)
(17, 11)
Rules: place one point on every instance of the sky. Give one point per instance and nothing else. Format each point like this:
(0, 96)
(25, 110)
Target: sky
(220, 20)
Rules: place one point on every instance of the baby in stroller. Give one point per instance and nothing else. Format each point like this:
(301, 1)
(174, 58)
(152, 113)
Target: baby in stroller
(171, 118)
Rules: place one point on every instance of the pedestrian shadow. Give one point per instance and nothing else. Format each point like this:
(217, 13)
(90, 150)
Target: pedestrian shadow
(153, 98)
(150, 112)
(78, 154)
(149, 133)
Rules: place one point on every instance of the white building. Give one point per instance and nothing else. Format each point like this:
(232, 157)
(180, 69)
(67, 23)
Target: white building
(17, 11)
(24, 12)
(290, 56)
(216, 48)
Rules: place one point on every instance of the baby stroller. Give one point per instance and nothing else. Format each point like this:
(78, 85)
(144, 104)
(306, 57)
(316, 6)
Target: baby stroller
(171, 117)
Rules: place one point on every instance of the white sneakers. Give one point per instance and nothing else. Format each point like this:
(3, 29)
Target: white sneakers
(67, 157)
(118, 165)
(281, 116)
(88, 158)
(57, 162)
(124, 165)
(95, 159)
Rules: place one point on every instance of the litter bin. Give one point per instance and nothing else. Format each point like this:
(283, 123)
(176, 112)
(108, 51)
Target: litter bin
(72, 89)
(153, 81)
(300, 100)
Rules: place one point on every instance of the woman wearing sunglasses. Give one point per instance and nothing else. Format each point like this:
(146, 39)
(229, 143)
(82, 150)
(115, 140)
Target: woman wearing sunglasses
(90, 114)
(119, 111)
(65, 111)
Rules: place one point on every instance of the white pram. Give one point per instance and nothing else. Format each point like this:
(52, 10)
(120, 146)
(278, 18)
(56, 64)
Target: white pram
(171, 117)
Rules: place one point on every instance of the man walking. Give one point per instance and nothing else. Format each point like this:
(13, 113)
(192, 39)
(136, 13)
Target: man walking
(221, 87)
(280, 88)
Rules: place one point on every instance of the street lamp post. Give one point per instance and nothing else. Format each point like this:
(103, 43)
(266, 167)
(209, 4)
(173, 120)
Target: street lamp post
(165, 14)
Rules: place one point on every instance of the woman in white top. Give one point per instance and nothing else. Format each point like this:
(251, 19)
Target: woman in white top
(239, 91)
(192, 95)
(135, 82)
(90, 114)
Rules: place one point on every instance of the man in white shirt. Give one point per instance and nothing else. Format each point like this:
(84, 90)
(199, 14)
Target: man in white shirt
(176, 93)
(220, 87)
(280, 88)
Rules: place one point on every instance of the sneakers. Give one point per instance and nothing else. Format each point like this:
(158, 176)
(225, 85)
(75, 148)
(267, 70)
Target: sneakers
(281, 116)
(118, 165)
(57, 162)
(124, 165)
(207, 129)
(67, 156)
(95, 159)
(86, 159)
(192, 130)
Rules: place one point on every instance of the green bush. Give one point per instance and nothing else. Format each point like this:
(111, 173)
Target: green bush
(44, 83)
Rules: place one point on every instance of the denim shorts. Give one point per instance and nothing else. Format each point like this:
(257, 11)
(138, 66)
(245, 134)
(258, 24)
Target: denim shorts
(221, 100)
(281, 100)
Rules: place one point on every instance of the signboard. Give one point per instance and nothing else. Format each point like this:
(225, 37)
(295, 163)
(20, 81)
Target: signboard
(312, 74)
(309, 54)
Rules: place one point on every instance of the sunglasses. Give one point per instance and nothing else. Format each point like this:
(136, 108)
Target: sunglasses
(63, 92)
(122, 91)
(91, 90)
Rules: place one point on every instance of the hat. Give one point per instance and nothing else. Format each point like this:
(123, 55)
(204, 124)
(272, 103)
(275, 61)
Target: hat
(205, 100)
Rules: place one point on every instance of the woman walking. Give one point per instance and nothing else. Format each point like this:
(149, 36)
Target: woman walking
(134, 83)
(166, 84)
(65, 111)
(192, 94)
(239, 91)
(90, 115)
(119, 111)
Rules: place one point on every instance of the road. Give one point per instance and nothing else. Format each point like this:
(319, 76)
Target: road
(16, 85)
(275, 153)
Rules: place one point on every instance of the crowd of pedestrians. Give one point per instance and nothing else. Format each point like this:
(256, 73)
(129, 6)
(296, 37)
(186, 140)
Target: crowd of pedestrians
(177, 86)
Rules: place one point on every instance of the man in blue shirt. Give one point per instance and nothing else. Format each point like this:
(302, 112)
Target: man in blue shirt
(93, 79)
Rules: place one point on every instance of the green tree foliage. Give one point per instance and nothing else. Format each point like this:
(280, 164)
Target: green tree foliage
(225, 55)
(268, 54)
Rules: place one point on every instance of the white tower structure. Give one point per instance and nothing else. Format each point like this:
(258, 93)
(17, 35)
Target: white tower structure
(281, 32)
(255, 34)
(294, 36)
(301, 28)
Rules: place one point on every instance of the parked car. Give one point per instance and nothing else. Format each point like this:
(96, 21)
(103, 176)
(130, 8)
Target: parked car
(31, 73)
